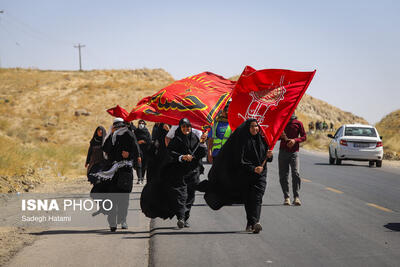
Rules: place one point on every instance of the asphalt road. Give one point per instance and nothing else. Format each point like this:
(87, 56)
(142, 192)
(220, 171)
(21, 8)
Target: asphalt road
(350, 217)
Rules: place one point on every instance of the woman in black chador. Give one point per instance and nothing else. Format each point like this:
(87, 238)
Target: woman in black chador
(157, 151)
(95, 153)
(182, 173)
(144, 140)
(239, 173)
(122, 151)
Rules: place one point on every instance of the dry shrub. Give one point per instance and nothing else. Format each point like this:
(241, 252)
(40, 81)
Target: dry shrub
(14, 158)
(4, 124)
(389, 128)
(317, 141)
(63, 159)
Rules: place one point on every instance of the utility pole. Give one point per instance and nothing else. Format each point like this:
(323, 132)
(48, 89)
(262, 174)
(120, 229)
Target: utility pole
(79, 46)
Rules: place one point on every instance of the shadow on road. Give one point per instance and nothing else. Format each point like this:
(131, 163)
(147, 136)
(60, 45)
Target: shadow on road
(93, 231)
(179, 232)
(99, 232)
(343, 165)
(238, 205)
(395, 227)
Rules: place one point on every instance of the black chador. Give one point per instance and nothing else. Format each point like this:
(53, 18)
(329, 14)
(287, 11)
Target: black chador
(172, 194)
(157, 152)
(232, 178)
(96, 162)
(95, 152)
(122, 150)
(143, 136)
(183, 176)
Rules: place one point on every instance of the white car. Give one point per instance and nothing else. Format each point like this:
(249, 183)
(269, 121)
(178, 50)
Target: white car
(356, 142)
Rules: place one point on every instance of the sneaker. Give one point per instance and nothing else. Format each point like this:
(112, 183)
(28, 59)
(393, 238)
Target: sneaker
(257, 228)
(124, 225)
(286, 202)
(113, 229)
(180, 224)
(249, 228)
(186, 224)
(297, 201)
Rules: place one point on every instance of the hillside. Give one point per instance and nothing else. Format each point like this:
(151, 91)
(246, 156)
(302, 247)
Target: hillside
(389, 128)
(313, 109)
(48, 117)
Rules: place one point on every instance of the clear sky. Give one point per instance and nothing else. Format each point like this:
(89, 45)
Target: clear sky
(354, 45)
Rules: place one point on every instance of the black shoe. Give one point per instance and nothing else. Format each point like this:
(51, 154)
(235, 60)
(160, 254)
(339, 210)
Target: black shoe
(186, 224)
(113, 229)
(249, 227)
(257, 228)
(180, 224)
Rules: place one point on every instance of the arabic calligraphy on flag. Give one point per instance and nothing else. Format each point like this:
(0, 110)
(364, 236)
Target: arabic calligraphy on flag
(198, 98)
(270, 96)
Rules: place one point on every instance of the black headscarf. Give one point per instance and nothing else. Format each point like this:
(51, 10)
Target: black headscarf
(98, 140)
(186, 139)
(143, 134)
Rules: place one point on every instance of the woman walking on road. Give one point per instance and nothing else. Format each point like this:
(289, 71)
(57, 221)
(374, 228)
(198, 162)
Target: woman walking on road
(182, 173)
(239, 174)
(144, 140)
(95, 152)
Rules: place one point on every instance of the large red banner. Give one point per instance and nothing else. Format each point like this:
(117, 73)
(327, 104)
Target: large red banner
(198, 98)
(270, 96)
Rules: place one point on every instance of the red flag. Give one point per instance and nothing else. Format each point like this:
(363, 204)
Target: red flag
(198, 98)
(270, 96)
(118, 112)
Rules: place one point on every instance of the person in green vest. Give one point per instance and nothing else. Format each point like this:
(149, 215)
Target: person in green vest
(218, 135)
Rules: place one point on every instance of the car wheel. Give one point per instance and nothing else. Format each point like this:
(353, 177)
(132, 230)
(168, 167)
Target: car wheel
(371, 163)
(331, 160)
(338, 161)
(379, 163)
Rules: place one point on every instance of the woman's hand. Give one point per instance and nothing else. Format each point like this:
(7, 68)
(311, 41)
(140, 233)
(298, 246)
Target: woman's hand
(141, 142)
(259, 169)
(269, 154)
(187, 157)
(166, 127)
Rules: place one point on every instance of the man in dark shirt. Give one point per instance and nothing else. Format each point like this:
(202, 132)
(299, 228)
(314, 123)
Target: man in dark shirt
(292, 136)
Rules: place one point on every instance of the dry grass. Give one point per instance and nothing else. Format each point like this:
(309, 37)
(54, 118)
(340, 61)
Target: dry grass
(38, 126)
(317, 141)
(389, 128)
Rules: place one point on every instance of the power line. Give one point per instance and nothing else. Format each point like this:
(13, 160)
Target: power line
(79, 46)
(1, 12)
(33, 32)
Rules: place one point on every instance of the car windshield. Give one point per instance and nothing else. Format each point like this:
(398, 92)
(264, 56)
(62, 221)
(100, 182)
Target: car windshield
(360, 131)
